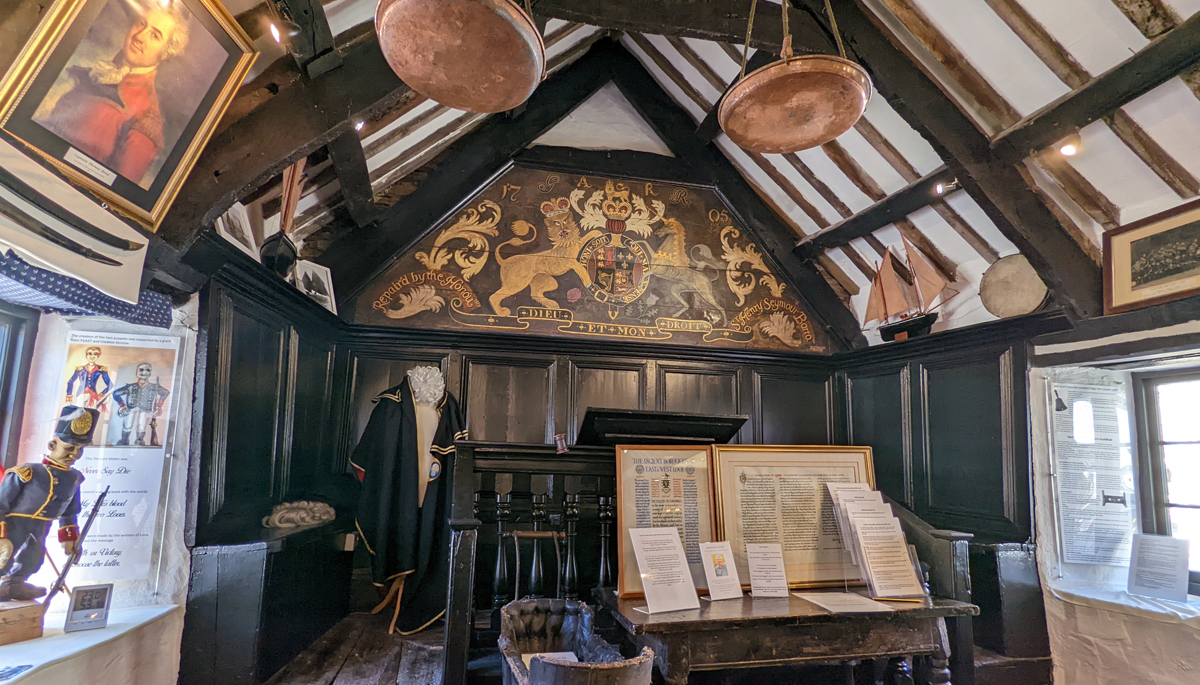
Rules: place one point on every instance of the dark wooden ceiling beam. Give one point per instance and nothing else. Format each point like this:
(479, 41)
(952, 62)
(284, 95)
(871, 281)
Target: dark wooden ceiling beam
(350, 164)
(1164, 58)
(895, 207)
(994, 184)
(718, 21)
(314, 48)
(1174, 174)
(1041, 42)
(281, 130)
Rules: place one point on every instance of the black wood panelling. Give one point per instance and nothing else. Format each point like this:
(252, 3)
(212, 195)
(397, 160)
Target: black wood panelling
(510, 400)
(373, 376)
(698, 389)
(793, 410)
(611, 384)
(879, 417)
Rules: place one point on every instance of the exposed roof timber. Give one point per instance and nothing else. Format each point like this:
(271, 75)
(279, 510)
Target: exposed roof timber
(919, 240)
(719, 21)
(1164, 58)
(1152, 17)
(1072, 228)
(472, 161)
(278, 132)
(888, 210)
(1040, 41)
(853, 171)
(995, 184)
(350, 164)
(317, 54)
(987, 99)
(1154, 155)
(910, 174)
(1095, 203)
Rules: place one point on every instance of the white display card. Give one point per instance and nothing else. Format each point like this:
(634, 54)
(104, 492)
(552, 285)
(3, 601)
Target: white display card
(721, 571)
(767, 575)
(845, 496)
(1158, 567)
(663, 567)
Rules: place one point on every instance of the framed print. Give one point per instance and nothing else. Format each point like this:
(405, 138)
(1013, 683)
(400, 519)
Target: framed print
(1152, 261)
(316, 281)
(777, 493)
(121, 95)
(660, 486)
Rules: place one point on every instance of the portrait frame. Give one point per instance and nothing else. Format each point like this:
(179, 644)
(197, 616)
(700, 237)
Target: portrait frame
(1142, 250)
(853, 461)
(180, 136)
(628, 457)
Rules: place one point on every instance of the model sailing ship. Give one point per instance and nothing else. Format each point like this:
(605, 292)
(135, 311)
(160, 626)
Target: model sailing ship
(902, 295)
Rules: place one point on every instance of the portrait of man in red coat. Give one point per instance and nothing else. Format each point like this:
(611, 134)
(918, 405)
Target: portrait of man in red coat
(109, 109)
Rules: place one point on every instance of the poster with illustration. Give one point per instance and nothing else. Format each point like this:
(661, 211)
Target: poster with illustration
(131, 380)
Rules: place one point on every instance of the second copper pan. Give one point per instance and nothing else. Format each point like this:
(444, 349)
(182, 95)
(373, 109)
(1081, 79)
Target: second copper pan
(795, 104)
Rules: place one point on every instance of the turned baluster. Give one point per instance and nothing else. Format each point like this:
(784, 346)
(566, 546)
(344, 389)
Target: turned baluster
(570, 571)
(608, 515)
(500, 582)
(537, 571)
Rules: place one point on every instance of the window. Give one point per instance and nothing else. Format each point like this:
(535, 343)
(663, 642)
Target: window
(1169, 436)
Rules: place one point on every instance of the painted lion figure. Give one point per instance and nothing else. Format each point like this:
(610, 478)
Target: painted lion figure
(537, 270)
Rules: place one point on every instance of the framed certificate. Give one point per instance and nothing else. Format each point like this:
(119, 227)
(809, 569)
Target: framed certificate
(661, 486)
(777, 493)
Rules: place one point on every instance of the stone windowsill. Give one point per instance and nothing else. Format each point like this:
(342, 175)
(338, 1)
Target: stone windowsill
(1119, 601)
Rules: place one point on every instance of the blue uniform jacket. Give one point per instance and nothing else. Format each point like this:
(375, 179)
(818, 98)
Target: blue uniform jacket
(89, 380)
(42, 492)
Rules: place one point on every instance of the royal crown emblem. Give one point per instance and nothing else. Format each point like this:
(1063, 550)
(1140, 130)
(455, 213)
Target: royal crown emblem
(556, 206)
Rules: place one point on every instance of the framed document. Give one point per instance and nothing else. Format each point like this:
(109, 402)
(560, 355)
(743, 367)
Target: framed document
(663, 486)
(777, 493)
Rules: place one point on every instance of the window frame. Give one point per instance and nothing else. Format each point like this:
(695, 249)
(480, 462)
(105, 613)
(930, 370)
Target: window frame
(1152, 475)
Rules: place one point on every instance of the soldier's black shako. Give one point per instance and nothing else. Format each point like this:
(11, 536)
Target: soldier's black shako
(33, 495)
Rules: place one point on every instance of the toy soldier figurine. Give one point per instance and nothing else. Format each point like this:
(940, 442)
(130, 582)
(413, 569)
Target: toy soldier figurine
(138, 403)
(33, 495)
(89, 376)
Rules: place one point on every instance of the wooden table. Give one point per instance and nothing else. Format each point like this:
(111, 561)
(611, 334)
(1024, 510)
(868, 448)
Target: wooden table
(751, 633)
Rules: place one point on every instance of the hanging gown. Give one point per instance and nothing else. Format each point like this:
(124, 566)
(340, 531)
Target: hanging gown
(404, 536)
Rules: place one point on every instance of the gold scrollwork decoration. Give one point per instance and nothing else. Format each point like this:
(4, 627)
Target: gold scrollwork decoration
(474, 226)
(548, 185)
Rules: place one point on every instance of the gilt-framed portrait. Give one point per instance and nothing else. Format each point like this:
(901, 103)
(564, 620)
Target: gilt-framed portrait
(122, 95)
(777, 493)
(1154, 260)
(661, 486)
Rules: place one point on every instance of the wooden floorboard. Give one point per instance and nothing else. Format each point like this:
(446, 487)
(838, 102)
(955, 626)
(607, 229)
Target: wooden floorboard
(359, 651)
(321, 662)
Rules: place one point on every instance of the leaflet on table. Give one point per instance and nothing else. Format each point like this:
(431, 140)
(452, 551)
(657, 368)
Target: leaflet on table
(791, 506)
(674, 491)
(1158, 567)
(844, 603)
(663, 566)
(131, 380)
(1093, 473)
(721, 572)
(886, 561)
(768, 578)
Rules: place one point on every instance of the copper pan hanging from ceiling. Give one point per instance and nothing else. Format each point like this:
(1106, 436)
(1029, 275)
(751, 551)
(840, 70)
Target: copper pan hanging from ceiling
(475, 55)
(797, 102)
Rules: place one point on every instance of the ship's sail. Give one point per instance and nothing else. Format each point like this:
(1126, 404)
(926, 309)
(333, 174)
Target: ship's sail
(894, 296)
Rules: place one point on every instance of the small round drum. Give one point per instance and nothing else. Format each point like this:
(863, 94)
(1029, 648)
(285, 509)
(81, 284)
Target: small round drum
(476, 55)
(1010, 287)
(795, 104)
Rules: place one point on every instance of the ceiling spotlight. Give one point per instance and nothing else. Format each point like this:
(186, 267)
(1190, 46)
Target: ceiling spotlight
(943, 188)
(1071, 145)
(284, 30)
(358, 125)
(275, 33)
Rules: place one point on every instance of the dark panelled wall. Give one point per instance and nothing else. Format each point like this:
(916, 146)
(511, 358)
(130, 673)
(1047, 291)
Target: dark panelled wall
(285, 389)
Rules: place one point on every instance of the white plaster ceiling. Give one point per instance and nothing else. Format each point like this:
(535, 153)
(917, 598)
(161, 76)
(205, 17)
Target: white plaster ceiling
(605, 121)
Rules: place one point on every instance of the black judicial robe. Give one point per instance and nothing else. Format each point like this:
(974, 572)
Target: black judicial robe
(405, 539)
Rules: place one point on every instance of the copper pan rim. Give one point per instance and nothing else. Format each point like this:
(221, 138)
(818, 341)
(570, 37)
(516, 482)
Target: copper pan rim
(522, 25)
(803, 64)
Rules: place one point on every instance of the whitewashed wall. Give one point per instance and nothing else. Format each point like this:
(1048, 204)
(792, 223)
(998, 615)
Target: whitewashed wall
(1099, 634)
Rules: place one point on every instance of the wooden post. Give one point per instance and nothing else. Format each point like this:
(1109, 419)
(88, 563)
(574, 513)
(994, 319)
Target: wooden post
(608, 514)
(570, 572)
(537, 570)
